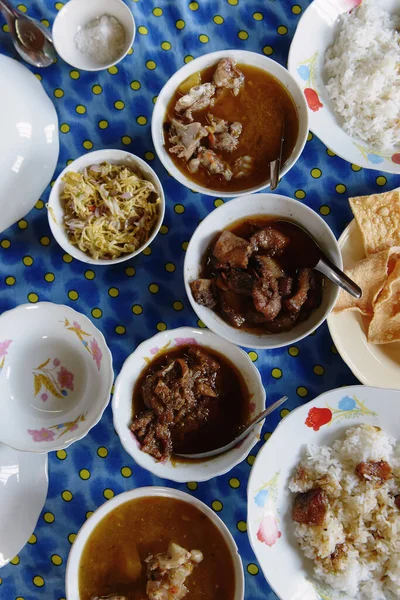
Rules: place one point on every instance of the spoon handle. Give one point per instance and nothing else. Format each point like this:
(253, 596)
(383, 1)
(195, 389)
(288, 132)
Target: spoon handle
(260, 417)
(8, 9)
(326, 267)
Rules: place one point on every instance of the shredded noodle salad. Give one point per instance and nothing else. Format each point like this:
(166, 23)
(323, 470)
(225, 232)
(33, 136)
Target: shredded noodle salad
(109, 210)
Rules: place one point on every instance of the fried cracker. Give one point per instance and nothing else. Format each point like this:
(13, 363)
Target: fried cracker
(378, 218)
(384, 327)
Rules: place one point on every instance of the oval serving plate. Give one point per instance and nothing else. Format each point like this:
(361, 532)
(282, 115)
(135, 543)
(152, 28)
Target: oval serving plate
(269, 522)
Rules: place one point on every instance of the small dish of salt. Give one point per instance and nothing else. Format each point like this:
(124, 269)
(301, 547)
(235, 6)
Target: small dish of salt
(93, 35)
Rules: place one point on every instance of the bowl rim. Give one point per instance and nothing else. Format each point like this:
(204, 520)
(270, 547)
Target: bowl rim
(211, 57)
(104, 67)
(108, 355)
(181, 475)
(99, 155)
(225, 330)
(90, 524)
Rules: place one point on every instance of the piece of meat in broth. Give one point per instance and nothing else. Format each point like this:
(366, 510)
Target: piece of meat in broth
(310, 507)
(223, 136)
(198, 98)
(236, 280)
(266, 297)
(214, 164)
(269, 239)
(185, 139)
(295, 303)
(268, 267)
(203, 292)
(228, 76)
(243, 167)
(167, 572)
(232, 250)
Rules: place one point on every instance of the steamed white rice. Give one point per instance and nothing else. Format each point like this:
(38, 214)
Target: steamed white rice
(362, 70)
(361, 515)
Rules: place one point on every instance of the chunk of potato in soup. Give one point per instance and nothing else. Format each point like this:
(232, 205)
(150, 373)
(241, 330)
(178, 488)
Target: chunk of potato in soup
(113, 560)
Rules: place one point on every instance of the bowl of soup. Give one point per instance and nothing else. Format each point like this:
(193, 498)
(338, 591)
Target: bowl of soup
(219, 121)
(186, 391)
(150, 541)
(247, 272)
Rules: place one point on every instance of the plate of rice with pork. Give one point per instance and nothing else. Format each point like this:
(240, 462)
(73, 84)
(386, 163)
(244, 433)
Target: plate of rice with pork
(324, 499)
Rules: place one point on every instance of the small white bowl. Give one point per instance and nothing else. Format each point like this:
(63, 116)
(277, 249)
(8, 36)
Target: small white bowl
(122, 404)
(200, 63)
(56, 209)
(78, 13)
(72, 572)
(276, 206)
(55, 377)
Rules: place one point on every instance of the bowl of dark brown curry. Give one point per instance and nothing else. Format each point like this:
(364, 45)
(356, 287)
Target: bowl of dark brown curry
(153, 543)
(186, 391)
(247, 272)
(218, 122)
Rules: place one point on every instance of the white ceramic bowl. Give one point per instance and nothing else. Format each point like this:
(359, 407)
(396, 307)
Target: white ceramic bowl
(276, 206)
(75, 15)
(72, 572)
(29, 142)
(315, 32)
(56, 209)
(55, 376)
(200, 63)
(122, 404)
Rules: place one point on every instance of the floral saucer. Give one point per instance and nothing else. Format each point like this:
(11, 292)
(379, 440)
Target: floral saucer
(269, 522)
(55, 377)
(315, 32)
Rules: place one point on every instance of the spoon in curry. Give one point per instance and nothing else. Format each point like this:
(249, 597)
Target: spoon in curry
(312, 257)
(241, 436)
(31, 40)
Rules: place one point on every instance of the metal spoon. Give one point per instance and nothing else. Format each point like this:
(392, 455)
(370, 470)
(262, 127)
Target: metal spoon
(313, 257)
(242, 435)
(31, 40)
(275, 165)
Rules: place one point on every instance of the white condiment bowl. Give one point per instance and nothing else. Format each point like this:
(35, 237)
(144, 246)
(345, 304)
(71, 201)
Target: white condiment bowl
(278, 207)
(56, 208)
(122, 404)
(75, 555)
(78, 13)
(242, 57)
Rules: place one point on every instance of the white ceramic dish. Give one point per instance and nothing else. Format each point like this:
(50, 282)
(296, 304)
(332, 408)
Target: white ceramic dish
(269, 522)
(72, 573)
(56, 209)
(372, 364)
(200, 63)
(75, 15)
(55, 376)
(122, 404)
(29, 142)
(23, 491)
(315, 32)
(260, 204)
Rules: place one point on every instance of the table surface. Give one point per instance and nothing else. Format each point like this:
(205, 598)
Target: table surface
(132, 301)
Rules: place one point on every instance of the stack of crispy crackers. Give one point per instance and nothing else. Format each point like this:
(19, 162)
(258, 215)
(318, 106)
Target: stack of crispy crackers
(378, 275)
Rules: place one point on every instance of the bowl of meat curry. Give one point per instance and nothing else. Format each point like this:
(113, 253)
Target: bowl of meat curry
(219, 121)
(247, 272)
(154, 543)
(183, 392)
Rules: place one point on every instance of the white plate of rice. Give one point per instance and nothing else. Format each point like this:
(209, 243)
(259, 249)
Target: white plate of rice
(328, 438)
(345, 55)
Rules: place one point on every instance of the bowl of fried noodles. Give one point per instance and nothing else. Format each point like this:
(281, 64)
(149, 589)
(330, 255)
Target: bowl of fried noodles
(106, 207)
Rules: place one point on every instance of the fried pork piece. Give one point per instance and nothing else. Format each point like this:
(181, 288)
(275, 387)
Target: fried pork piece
(397, 501)
(310, 507)
(295, 303)
(240, 282)
(228, 76)
(266, 297)
(377, 471)
(232, 250)
(203, 292)
(198, 98)
(185, 138)
(167, 572)
(269, 239)
(223, 136)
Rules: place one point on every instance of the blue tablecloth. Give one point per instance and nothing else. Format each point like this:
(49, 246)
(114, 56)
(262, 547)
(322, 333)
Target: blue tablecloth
(132, 301)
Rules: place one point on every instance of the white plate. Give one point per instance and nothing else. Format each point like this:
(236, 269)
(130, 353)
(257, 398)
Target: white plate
(270, 526)
(55, 376)
(315, 32)
(372, 364)
(28, 143)
(23, 491)
(122, 404)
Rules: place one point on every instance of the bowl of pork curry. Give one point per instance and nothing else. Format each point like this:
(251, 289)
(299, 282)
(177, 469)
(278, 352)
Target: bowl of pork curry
(219, 121)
